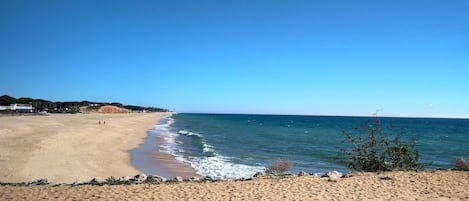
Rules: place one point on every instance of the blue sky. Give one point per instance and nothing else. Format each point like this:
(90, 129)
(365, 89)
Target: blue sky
(407, 58)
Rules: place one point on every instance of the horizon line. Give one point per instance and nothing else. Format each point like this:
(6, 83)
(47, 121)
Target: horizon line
(325, 115)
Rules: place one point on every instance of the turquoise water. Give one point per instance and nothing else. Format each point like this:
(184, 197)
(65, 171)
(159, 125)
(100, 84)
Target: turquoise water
(237, 146)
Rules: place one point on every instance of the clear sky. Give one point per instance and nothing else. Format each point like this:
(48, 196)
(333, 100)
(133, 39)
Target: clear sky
(407, 58)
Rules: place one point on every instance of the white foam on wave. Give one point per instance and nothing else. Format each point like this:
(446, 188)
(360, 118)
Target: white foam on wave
(186, 132)
(207, 148)
(170, 138)
(220, 167)
(215, 166)
(196, 134)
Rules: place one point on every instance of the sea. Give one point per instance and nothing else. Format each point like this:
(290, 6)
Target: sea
(233, 146)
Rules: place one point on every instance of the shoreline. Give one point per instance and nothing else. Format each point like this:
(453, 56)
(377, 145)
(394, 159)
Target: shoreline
(150, 160)
(67, 148)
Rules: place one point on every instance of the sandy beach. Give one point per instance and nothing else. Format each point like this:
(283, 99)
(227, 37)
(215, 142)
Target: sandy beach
(65, 148)
(440, 185)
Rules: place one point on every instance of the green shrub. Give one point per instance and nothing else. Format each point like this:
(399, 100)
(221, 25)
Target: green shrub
(279, 166)
(376, 152)
(93, 108)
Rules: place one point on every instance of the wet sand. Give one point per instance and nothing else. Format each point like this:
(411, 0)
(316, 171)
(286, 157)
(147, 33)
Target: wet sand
(149, 159)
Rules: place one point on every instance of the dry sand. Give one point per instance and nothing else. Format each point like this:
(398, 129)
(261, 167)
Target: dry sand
(440, 185)
(68, 148)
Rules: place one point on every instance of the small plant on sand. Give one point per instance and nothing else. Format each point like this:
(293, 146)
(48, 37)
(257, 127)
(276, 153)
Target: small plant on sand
(13, 184)
(462, 164)
(279, 166)
(113, 181)
(376, 152)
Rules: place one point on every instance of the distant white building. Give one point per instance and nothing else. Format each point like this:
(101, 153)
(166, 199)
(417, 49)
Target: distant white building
(17, 107)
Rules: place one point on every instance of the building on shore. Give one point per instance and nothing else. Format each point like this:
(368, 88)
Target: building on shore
(20, 108)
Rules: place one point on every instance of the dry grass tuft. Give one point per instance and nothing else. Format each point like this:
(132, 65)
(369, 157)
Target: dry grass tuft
(279, 166)
(462, 164)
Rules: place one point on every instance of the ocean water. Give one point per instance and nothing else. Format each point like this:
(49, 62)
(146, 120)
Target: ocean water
(225, 146)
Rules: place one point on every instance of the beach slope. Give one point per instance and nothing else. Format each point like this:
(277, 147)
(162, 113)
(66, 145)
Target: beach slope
(71, 147)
